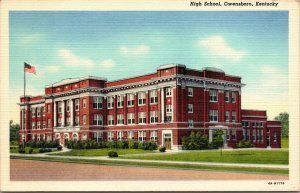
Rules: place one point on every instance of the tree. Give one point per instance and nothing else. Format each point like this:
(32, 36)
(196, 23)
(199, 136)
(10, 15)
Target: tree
(14, 132)
(284, 119)
(218, 139)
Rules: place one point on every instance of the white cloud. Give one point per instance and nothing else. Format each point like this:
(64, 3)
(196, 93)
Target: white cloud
(135, 51)
(70, 59)
(30, 39)
(107, 63)
(217, 46)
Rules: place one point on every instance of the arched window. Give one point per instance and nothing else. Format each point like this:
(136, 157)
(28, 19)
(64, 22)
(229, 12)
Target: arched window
(75, 137)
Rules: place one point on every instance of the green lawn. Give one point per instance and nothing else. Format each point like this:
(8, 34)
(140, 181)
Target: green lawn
(285, 142)
(244, 156)
(102, 152)
(16, 150)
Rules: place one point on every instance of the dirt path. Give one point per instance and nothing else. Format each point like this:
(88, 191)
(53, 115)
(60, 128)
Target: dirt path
(27, 170)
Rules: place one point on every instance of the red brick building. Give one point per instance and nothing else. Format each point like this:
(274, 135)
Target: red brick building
(162, 106)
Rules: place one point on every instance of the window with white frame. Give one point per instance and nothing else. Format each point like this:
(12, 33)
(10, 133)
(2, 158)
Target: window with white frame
(142, 117)
(142, 135)
(110, 135)
(120, 119)
(130, 118)
(84, 103)
(77, 120)
(142, 98)
(110, 120)
(153, 116)
(244, 134)
(33, 112)
(233, 97)
(254, 135)
(68, 105)
(262, 135)
(233, 134)
(130, 100)
(110, 102)
(75, 137)
(97, 102)
(59, 104)
(191, 123)
(33, 125)
(98, 119)
(153, 135)
(253, 124)
(84, 119)
(233, 116)
(120, 101)
(153, 97)
(98, 136)
(168, 118)
(59, 122)
(120, 135)
(169, 108)
(190, 91)
(227, 135)
(76, 104)
(227, 96)
(38, 125)
(190, 108)
(130, 134)
(168, 91)
(68, 121)
(261, 124)
(213, 95)
(38, 112)
(247, 123)
(44, 124)
(257, 124)
(49, 123)
(227, 119)
(275, 137)
(213, 115)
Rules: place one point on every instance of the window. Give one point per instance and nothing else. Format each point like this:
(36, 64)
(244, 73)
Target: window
(191, 123)
(75, 137)
(190, 92)
(33, 112)
(153, 135)
(233, 97)
(142, 135)
(248, 134)
(59, 122)
(76, 120)
(98, 136)
(120, 101)
(213, 96)
(110, 102)
(59, 104)
(190, 108)
(33, 125)
(38, 112)
(261, 124)
(243, 124)
(268, 131)
(142, 98)
(49, 123)
(247, 124)
(130, 135)
(84, 103)
(84, 119)
(254, 135)
(38, 125)
(110, 119)
(43, 110)
(98, 119)
(153, 117)
(130, 100)
(44, 124)
(262, 135)
(169, 108)
(213, 115)
(120, 135)
(168, 91)
(233, 134)
(153, 96)
(48, 108)
(253, 124)
(244, 134)
(275, 137)
(227, 135)
(168, 119)
(233, 116)
(68, 121)
(142, 117)
(120, 119)
(97, 102)
(257, 124)
(110, 136)
(76, 104)
(68, 105)
(227, 117)
(130, 118)
(227, 96)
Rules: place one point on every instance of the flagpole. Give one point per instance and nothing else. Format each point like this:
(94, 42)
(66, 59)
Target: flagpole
(24, 106)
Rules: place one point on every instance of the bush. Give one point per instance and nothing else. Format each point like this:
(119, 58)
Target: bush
(195, 141)
(244, 144)
(21, 150)
(59, 148)
(30, 151)
(112, 154)
(44, 150)
(162, 149)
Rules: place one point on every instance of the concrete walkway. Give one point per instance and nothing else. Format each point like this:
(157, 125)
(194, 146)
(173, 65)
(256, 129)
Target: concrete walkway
(105, 158)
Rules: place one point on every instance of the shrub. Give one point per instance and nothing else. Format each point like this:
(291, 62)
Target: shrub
(244, 144)
(30, 151)
(21, 150)
(59, 148)
(195, 141)
(44, 150)
(112, 154)
(162, 149)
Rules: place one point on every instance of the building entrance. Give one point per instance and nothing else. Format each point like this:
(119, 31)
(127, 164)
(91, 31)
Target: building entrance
(167, 140)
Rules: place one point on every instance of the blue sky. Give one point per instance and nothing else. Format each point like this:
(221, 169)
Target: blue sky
(253, 45)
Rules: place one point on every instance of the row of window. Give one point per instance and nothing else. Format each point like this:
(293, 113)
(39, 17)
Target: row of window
(213, 116)
(257, 135)
(213, 96)
(253, 124)
(130, 135)
(38, 111)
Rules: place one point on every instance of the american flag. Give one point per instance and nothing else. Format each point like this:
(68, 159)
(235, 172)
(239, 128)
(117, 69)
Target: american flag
(29, 68)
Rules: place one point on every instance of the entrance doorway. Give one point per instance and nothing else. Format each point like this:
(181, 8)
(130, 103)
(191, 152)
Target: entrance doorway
(167, 140)
(66, 139)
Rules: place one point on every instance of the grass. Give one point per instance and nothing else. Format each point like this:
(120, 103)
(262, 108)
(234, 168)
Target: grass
(285, 142)
(102, 152)
(161, 165)
(244, 156)
(15, 149)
